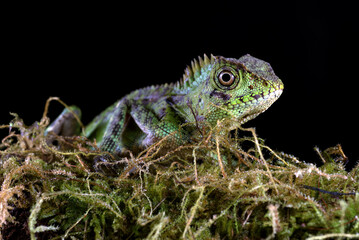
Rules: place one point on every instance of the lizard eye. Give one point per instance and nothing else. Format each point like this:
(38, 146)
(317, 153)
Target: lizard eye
(226, 78)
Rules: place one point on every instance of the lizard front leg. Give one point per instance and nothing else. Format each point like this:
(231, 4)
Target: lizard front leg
(134, 125)
(112, 137)
(158, 126)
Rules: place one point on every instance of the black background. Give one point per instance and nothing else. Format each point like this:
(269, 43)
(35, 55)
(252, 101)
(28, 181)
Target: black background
(93, 54)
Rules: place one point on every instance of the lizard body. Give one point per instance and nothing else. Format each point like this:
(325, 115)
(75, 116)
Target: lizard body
(211, 90)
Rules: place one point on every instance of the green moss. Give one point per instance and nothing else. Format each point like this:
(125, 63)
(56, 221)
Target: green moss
(218, 188)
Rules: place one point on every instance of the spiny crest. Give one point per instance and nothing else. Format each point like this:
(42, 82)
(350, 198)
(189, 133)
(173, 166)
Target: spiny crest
(195, 68)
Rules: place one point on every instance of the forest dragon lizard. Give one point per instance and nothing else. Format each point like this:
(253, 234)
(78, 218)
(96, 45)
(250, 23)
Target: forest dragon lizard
(211, 90)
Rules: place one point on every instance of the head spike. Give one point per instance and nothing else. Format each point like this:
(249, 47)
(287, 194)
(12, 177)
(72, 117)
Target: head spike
(212, 58)
(188, 71)
(187, 76)
(206, 60)
(192, 66)
(201, 63)
(195, 67)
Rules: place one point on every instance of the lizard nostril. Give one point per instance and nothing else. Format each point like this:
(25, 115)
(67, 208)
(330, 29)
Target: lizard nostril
(251, 87)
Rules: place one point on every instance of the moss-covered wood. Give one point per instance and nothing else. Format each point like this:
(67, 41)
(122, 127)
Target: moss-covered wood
(218, 188)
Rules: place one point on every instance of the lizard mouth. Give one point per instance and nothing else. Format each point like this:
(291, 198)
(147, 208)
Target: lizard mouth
(249, 116)
(260, 105)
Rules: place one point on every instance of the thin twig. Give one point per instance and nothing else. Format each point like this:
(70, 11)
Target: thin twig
(261, 155)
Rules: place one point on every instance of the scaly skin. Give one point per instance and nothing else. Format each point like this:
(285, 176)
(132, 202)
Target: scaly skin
(211, 90)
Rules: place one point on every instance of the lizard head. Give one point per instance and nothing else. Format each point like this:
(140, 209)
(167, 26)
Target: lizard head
(234, 89)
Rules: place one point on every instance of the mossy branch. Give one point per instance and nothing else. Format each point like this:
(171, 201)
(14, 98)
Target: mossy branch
(216, 187)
